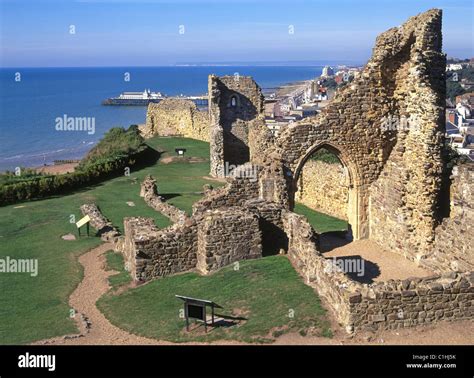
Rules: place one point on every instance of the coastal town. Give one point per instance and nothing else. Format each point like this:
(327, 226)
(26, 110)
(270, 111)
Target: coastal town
(460, 108)
(295, 101)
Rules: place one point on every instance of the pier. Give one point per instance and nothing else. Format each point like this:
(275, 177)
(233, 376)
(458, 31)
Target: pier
(146, 97)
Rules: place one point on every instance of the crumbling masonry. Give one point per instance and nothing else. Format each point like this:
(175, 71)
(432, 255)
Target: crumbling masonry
(396, 188)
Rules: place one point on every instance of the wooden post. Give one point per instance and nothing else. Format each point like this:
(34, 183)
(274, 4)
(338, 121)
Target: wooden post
(186, 315)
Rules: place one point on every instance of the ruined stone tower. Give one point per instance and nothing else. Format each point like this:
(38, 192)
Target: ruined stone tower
(234, 102)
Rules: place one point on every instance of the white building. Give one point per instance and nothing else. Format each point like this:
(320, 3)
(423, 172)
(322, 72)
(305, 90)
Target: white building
(454, 67)
(327, 71)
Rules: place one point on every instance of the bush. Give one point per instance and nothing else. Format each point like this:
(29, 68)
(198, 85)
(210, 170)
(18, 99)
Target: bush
(26, 174)
(117, 143)
(326, 156)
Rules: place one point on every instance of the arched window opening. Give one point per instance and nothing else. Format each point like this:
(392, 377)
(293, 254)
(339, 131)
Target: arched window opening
(234, 101)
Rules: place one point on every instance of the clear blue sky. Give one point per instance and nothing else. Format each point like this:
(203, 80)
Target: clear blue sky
(35, 33)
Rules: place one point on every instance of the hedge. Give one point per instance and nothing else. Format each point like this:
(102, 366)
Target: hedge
(42, 187)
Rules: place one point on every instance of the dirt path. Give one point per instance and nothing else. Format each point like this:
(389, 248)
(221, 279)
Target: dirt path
(95, 329)
(93, 325)
(442, 333)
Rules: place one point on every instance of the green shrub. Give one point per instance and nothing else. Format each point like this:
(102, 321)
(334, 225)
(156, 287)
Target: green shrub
(326, 156)
(117, 143)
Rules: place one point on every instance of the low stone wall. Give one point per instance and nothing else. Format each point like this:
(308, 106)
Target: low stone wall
(205, 242)
(386, 305)
(151, 253)
(405, 303)
(324, 187)
(238, 190)
(150, 194)
(104, 227)
(225, 237)
(333, 286)
(176, 117)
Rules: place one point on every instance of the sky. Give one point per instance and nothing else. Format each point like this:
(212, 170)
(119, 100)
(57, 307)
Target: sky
(76, 33)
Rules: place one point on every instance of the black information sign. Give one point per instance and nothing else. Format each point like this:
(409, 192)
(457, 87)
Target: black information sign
(196, 309)
(196, 312)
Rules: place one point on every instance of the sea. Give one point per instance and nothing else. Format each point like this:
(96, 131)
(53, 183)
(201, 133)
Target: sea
(32, 99)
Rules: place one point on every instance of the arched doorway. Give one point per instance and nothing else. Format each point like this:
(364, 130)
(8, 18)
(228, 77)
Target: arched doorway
(355, 201)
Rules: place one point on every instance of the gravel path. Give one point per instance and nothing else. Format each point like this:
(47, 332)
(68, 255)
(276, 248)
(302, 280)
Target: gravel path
(93, 325)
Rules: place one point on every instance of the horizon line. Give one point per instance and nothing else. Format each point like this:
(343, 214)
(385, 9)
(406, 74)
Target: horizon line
(236, 64)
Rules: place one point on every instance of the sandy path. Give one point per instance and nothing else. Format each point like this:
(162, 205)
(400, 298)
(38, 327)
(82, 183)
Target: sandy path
(83, 300)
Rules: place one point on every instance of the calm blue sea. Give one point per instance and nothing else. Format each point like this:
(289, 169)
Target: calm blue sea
(29, 107)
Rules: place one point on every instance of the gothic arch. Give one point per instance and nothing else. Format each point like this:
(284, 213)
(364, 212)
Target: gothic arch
(358, 196)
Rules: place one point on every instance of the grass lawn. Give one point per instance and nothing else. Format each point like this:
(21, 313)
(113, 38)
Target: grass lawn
(321, 222)
(115, 262)
(34, 308)
(267, 292)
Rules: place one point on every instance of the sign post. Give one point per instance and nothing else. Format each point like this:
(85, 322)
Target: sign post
(196, 309)
(83, 221)
(180, 151)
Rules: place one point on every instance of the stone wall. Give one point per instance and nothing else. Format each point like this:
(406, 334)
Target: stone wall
(234, 101)
(406, 303)
(105, 229)
(150, 253)
(225, 237)
(303, 252)
(205, 242)
(238, 190)
(385, 305)
(149, 192)
(394, 170)
(176, 117)
(454, 238)
(324, 187)
(260, 140)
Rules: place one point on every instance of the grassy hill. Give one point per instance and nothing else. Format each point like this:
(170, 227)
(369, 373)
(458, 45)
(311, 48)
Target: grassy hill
(35, 308)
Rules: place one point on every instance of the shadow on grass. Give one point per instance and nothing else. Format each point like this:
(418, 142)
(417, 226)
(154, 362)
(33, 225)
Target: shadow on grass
(168, 196)
(222, 321)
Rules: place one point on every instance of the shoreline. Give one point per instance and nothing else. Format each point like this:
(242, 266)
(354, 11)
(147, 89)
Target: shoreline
(50, 168)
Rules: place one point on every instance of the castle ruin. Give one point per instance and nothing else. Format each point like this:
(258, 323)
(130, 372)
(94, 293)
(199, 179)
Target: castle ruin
(396, 188)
